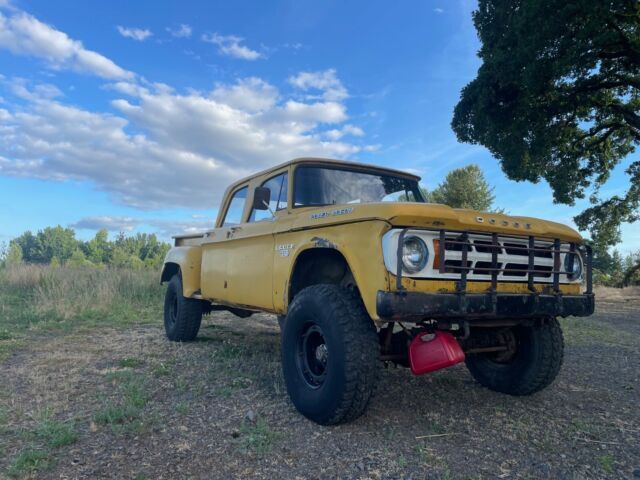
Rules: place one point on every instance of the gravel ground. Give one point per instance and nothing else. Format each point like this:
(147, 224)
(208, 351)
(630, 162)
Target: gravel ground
(141, 407)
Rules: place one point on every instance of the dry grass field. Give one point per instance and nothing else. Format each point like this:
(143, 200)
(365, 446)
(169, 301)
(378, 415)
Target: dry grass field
(90, 388)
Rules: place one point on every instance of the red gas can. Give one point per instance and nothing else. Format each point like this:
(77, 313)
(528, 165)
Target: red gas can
(428, 353)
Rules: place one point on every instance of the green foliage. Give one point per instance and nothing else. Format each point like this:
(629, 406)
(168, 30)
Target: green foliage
(258, 437)
(30, 461)
(56, 434)
(557, 98)
(58, 246)
(614, 270)
(14, 254)
(98, 250)
(78, 259)
(464, 188)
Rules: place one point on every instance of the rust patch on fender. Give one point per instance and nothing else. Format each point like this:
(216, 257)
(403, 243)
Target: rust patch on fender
(323, 243)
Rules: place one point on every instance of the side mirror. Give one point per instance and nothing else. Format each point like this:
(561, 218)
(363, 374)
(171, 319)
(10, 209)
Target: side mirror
(261, 198)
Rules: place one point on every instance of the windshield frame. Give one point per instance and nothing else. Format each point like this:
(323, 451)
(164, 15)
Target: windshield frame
(349, 168)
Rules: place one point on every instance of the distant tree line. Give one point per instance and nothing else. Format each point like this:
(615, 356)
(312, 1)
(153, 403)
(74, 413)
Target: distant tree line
(616, 270)
(59, 246)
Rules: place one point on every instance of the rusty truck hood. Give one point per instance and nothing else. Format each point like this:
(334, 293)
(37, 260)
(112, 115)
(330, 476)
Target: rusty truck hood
(433, 216)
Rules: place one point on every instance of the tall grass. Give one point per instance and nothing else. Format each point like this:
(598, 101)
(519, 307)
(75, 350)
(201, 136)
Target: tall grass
(31, 295)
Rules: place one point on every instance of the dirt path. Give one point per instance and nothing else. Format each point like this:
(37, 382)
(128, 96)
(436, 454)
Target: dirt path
(141, 407)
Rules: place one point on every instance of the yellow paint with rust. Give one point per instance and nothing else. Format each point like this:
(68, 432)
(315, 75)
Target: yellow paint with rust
(250, 265)
(189, 259)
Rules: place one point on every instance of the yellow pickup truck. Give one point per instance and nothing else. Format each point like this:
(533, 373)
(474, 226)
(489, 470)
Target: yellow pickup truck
(361, 271)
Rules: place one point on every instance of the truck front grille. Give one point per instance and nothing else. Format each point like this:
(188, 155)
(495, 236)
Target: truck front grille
(511, 262)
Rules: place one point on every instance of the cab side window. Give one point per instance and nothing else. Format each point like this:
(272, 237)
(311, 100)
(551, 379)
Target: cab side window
(279, 186)
(235, 208)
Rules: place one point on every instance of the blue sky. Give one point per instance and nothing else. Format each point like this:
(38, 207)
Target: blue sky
(135, 116)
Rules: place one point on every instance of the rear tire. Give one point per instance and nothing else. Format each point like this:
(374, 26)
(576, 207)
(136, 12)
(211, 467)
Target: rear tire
(529, 368)
(330, 354)
(182, 316)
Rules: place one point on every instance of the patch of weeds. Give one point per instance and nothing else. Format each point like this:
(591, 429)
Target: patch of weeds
(429, 456)
(29, 461)
(130, 362)
(224, 391)
(606, 463)
(4, 417)
(56, 434)
(7, 347)
(582, 426)
(181, 384)
(120, 376)
(136, 394)
(116, 414)
(258, 437)
(182, 408)
(233, 386)
(5, 334)
(229, 351)
(161, 370)
(126, 414)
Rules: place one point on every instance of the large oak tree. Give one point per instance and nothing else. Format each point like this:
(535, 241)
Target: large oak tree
(557, 97)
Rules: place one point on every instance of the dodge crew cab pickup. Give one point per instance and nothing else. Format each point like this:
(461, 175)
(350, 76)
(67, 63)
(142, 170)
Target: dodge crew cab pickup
(361, 271)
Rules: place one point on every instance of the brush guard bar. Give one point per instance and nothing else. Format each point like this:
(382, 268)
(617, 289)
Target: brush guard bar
(417, 306)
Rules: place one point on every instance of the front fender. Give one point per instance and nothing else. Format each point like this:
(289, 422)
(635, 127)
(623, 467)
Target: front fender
(188, 260)
(359, 243)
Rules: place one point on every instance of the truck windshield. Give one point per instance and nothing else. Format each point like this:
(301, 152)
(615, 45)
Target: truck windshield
(322, 185)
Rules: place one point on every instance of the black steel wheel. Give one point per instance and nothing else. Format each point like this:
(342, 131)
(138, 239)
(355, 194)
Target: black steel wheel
(330, 354)
(312, 355)
(182, 316)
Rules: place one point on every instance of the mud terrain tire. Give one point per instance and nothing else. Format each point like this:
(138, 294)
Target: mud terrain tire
(182, 316)
(534, 365)
(330, 354)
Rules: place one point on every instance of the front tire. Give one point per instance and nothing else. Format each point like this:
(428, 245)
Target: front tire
(330, 354)
(531, 364)
(182, 316)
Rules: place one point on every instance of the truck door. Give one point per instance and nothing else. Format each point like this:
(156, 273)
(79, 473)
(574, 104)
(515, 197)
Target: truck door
(237, 263)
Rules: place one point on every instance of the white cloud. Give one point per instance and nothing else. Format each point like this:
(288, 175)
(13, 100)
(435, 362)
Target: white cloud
(250, 94)
(162, 148)
(438, 10)
(23, 34)
(128, 88)
(138, 34)
(165, 228)
(348, 129)
(231, 45)
(183, 31)
(113, 224)
(186, 147)
(326, 81)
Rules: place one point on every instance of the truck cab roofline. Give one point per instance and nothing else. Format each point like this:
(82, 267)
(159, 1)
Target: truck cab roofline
(326, 161)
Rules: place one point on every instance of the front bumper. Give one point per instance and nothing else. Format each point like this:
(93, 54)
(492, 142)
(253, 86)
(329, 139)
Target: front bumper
(416, 306)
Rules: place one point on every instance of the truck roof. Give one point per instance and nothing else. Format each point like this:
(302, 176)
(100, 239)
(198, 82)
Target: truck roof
(328, 161)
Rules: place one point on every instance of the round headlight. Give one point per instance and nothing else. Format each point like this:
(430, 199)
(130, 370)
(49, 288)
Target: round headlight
(573, 266)
(414, 254)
